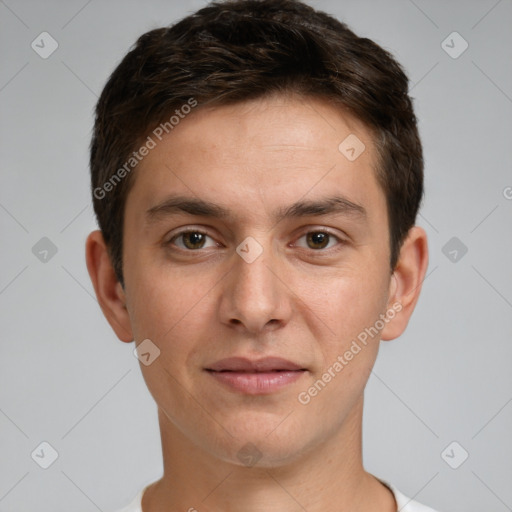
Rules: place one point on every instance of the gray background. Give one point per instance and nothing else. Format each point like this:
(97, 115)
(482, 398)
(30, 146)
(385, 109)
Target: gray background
(67, 380)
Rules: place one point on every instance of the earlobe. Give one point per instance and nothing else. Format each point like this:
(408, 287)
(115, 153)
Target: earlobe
(406, 282)
(109, 292)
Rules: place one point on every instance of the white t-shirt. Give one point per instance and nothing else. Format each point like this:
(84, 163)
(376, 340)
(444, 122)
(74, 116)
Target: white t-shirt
(404, 503)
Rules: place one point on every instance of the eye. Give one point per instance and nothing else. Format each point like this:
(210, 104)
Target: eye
(191, 240)
(317, 240)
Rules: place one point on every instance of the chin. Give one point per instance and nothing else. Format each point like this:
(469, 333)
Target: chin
(257, 450)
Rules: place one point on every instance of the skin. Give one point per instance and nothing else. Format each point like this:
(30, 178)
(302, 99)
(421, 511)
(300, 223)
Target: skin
(296, 301)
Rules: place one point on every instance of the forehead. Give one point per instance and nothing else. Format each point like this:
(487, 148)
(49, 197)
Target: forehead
(268, 150)
(276, 124)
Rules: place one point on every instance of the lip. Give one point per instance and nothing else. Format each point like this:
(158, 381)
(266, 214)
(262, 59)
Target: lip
(242, 364)
(255, 377)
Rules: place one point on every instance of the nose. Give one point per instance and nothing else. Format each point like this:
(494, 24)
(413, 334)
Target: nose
(255, 297)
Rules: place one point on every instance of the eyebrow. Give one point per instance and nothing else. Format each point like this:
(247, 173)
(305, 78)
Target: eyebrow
(176, 204)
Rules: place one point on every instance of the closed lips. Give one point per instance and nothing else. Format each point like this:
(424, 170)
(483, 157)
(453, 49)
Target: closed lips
(244, 365)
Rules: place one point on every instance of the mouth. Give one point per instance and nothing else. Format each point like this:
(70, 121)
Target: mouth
(255, 377)
(265, 365)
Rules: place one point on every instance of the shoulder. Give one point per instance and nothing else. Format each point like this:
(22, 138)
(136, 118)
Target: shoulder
(406, 504)
(135, 504)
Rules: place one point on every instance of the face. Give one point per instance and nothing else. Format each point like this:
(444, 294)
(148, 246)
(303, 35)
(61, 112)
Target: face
(249, 234)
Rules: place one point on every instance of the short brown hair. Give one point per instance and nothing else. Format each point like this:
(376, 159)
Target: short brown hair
(237, 50)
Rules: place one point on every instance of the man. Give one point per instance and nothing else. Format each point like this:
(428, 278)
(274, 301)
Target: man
(256, 175)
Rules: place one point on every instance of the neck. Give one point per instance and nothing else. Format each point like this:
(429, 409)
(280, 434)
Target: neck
(327, 476)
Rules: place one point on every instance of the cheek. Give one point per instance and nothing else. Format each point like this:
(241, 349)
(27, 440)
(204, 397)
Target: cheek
(350, 306)
(349, 301)
(172, 313)
(169, 308)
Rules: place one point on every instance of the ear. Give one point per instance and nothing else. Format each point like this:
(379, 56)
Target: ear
(406, 281)
(109, 292)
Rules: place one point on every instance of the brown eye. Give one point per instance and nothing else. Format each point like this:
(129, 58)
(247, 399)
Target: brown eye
(317, 239)
(320, 240)
(191, 240)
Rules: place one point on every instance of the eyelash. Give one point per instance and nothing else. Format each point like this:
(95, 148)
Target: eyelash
(340, 241)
